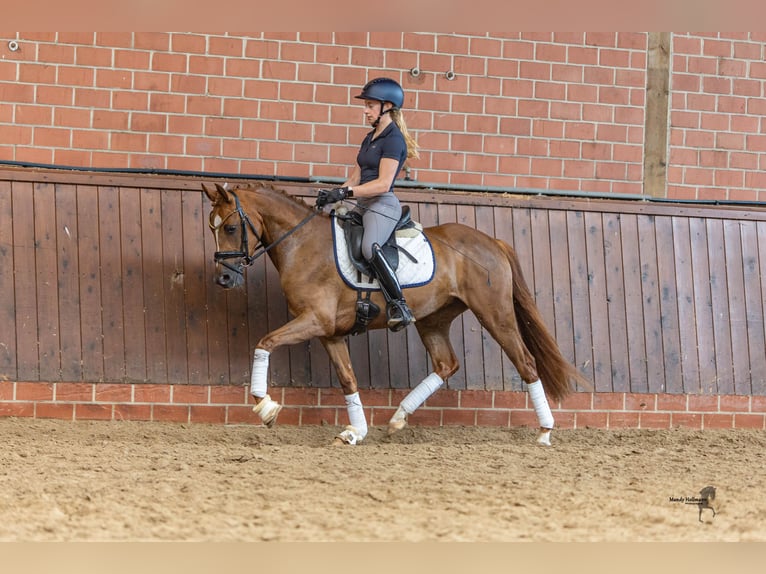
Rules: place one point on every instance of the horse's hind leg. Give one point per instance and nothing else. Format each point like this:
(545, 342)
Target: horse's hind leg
(357, 429)
(435, 336)
(505, 331)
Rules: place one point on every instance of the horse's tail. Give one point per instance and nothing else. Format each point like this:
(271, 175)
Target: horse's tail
(556, 373)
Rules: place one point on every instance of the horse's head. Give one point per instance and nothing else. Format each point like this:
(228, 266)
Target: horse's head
(236, 235)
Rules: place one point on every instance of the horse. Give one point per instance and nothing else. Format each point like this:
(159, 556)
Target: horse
(473, 271)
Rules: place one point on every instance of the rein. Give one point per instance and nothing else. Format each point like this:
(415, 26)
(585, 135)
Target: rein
(261, 247)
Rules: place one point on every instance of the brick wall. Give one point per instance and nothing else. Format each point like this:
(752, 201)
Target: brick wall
(718, 116)
(507, 409)
(546, 110)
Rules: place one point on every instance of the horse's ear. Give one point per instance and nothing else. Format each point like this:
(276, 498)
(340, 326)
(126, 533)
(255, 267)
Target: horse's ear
(218, 195)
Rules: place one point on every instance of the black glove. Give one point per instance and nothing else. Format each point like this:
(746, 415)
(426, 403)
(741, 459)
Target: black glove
(333, 195)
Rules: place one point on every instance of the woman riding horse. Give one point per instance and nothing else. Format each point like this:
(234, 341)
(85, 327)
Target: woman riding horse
(381, 156)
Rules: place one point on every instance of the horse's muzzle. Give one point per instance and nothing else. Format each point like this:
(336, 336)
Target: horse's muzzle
(229, 275)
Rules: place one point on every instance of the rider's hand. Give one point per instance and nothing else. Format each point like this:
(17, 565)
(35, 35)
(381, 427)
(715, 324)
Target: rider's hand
(333, 195)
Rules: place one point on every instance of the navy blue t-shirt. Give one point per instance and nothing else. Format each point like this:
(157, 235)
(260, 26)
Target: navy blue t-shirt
(389, 144)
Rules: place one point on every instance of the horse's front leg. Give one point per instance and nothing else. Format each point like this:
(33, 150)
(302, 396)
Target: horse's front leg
(355, 432)
(300, 329)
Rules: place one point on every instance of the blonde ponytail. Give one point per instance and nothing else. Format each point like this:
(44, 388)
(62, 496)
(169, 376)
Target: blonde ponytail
(412, 145)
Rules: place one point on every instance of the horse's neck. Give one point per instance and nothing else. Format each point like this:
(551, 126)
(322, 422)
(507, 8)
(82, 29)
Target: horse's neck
(280, 215)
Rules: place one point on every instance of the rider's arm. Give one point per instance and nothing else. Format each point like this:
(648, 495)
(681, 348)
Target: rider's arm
(387, 170)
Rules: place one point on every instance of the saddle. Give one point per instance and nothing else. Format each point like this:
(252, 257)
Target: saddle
(353, 231)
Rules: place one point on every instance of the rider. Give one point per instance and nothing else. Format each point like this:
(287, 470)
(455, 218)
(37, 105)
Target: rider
(381, 157)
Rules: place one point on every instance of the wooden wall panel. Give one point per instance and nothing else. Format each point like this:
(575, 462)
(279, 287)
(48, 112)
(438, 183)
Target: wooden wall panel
(70, 333)
(703, 305)
(8, 349)
(112, 315)
(754, 303)
(132, 265)
(24, 270)
(110, 278)
(46, 281)
(635, 339)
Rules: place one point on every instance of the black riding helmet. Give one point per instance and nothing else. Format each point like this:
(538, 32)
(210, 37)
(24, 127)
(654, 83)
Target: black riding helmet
(383, 90)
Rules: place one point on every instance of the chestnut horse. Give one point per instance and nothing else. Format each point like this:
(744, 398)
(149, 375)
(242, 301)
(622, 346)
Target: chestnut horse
(473, 271)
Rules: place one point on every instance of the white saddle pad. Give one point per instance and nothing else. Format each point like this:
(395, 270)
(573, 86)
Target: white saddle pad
(409, 273)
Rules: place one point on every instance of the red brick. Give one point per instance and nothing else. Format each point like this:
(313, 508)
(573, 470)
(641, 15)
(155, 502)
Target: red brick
(245, 415)
(749, 421)
(319, 415)
(92, 411)
(510, 400)
(565, 420)
(591, 420)
(654, 420)
(376, 397)
(639, 401)
(525, 418)
(476, 399)
(493, 418)
(207, 414)
(190, 394)
(170, 413)
(288, 416)
(577, 402)
(113, 393)
(608, 401)
(228, 394)
(703, 403)
(79, 392)
(623, 420)
(463, 417)
(297, 396)
(333, 398)
(735, 403)
(686, 420)
(132, 412)
(151, 393)
(17, 409)
(380, 415)
(667, 402)
(6, 390)
(717, 421)
(54, 411)
(758, 404)
(444, 398)
(34, 391)
(425, 417)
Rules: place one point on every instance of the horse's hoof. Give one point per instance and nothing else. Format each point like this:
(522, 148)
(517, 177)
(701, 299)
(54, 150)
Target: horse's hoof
(398, 421)
(268, 410)
(544, 437)
(349, 436)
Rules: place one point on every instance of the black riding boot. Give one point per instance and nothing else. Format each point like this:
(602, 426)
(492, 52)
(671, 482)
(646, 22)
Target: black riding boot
(397, 312)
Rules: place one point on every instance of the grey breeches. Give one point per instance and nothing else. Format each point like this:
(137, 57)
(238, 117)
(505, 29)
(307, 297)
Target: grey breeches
(380, 218)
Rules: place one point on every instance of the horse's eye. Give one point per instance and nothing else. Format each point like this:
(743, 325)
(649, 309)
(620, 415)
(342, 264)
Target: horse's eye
(230, 229)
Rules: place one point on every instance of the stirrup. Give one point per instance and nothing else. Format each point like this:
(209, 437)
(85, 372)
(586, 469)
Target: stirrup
(398, 315)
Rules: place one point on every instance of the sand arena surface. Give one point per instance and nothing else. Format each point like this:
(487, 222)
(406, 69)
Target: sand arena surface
(131, 481)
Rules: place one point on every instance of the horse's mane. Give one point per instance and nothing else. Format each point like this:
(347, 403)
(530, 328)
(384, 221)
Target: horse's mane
(259, 185)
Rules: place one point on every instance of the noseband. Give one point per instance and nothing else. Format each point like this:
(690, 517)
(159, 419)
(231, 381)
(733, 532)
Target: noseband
(243, 255)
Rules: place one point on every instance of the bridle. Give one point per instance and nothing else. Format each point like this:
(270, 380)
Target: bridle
(262, 247)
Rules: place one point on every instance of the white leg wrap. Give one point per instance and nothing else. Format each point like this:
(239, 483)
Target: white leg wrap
(540, 403)
(356, 415)
(259, 374)
(419, 394)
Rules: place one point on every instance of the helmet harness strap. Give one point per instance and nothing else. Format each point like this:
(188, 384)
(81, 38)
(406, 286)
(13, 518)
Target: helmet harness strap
(380, 114)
